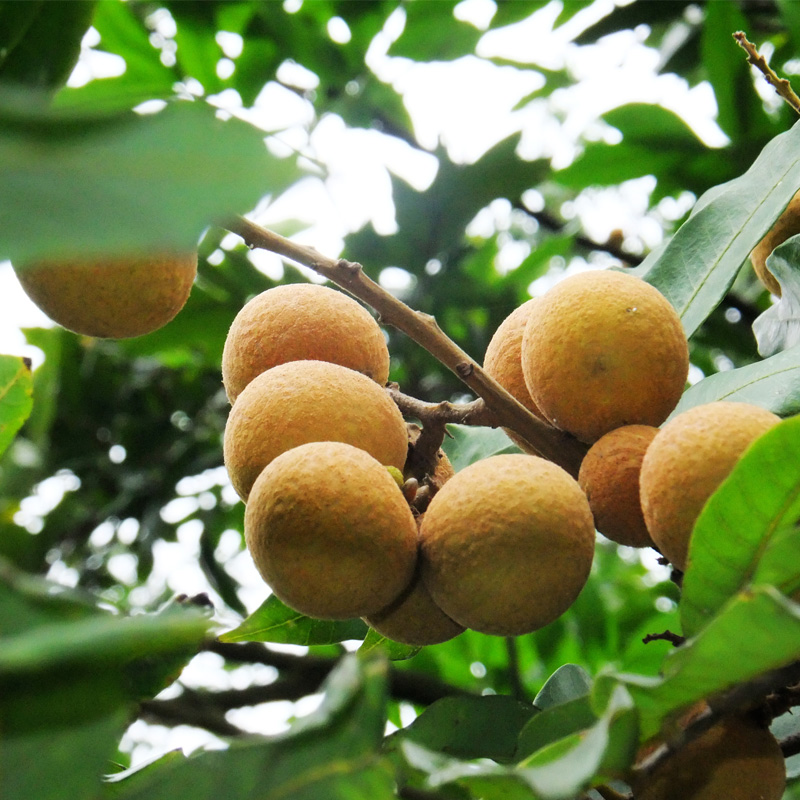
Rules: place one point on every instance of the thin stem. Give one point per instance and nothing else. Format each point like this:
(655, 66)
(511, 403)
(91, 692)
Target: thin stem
(514, 677)
(557, 446)
(781, 85)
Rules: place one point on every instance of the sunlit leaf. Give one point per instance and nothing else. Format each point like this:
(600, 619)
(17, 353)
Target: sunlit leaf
(16, 401)
(394, 651)
(470, 444)
(273, 621)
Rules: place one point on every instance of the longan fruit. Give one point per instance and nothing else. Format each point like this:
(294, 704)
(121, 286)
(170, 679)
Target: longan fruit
(111, 297)
(302, 321)
(330, 531)
(507, 544)
(603, 349)
(309, 401)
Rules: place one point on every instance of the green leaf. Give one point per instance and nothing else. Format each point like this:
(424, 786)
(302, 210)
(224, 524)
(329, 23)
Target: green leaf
(273, 621)
(47, 43)
(757, 631)
(760, 497)
(470, 727)
(70, 676)
(422, 38)
(394, 651)
(332, 753)
(16, 397)
(470, 444)
(555, 722)
(697, 267)
(568, 682)
(80, 185)
(773, 384)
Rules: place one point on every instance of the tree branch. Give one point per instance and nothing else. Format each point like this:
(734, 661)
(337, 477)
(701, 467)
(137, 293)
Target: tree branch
(780, 85)
(556, 446)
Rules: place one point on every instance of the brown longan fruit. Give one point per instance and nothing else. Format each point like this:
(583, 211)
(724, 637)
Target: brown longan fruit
(603, 349)
(302, 321)
(309, 401)
(686, 462)
(115, 297)
(609, 475)
(507, 544)
(330, 531)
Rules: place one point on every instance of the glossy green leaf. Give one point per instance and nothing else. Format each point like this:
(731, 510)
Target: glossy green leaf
(568, 682)
(16, 397)
(122, 183)
(756, 631)
(332, 753)
(394, 651)
(470, 444)
(555, 722)
(273, 621)
(470, 727)
(773, 383)
(697, 267)
(759, 498)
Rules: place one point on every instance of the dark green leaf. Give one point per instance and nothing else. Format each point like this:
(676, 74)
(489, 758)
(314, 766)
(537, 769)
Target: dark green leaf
(470, 444)
(760, 497)
(696, 268)
(567, 683)
(332, 753)
(422, 38)
(16, 401)
(73, 185)
(275, 622)
(556, 722)
(470, 727)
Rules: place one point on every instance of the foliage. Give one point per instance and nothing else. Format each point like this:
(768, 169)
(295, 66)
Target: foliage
(126, 436)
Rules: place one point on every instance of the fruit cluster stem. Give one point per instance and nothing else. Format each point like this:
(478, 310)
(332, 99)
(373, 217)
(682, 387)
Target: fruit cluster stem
(504, 410)
(780, 85)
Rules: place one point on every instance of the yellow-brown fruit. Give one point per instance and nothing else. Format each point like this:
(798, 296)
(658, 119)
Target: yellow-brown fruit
(503, 361)
(787, 225)
(302, 321)
(507, 544)
(735, 760)
(604, 349)
(330, 531)
(310, 401)
(413, 618)
(114, 297)
(686, 462)
(609, 475)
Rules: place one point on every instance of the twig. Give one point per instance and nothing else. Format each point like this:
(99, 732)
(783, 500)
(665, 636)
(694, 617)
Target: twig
(781, 85)
(609, 793)
(514, 677)
(557, 446)
(790, 746)
(667, 636)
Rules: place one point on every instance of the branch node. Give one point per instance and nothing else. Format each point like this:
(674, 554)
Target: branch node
(465, 369)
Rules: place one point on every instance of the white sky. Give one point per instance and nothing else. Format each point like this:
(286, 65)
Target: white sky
(467, 106)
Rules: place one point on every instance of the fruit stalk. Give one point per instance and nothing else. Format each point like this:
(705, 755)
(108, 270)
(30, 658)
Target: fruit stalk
(556, 446)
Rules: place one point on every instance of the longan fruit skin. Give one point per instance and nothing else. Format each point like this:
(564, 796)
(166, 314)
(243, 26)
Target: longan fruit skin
(309, 401)
(603, 349)
(330, 532)
(786, 226)
(302, 322)
(111, 297)
(507, 544)
(503, 361)
(687, 461)
(609, 475)
(735, 759)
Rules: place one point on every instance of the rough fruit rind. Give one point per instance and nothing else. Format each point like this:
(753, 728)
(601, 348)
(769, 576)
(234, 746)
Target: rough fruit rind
(330, 531)
(736, 760)
(609, 475)
(686, 462)
(507, 544)
(310, 401)
(111, 297)
(603, 349)
(302, 322)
